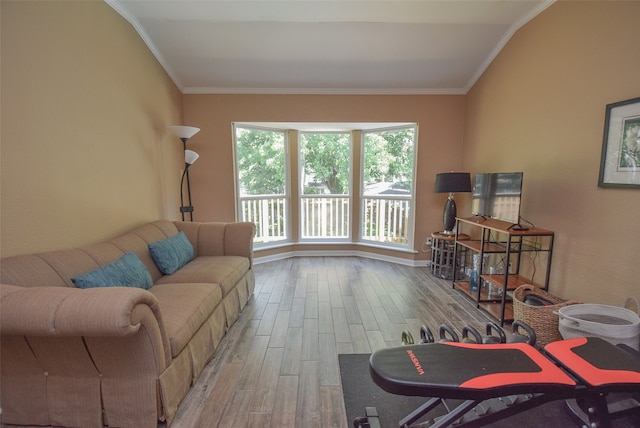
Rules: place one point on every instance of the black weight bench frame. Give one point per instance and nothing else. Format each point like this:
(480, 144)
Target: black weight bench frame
(479, 384)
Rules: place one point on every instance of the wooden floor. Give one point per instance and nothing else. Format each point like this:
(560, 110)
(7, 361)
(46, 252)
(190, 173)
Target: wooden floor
(278, 364)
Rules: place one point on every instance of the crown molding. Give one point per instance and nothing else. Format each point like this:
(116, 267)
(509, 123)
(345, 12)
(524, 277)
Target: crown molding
(325, 91)
(122, 11)
(502, 43)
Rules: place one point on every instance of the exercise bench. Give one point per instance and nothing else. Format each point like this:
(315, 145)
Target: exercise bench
(478, 384)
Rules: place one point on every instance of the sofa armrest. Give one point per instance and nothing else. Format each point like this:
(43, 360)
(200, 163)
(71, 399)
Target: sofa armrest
(238, 239)
(220, 238)
(72, 312)
(87, 354)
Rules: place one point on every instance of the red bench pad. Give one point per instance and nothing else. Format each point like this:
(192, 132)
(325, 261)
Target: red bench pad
(597, 362)
(467, 371)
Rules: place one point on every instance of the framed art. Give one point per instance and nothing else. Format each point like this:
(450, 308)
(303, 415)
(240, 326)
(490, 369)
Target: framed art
(620, 162)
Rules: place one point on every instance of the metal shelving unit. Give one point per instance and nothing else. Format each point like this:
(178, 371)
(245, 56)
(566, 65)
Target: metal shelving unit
(491, 239)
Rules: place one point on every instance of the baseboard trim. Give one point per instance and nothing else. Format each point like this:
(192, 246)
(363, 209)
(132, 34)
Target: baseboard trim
(345, 253)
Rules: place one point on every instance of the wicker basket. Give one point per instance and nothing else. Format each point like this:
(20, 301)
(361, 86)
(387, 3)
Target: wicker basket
(541, 318)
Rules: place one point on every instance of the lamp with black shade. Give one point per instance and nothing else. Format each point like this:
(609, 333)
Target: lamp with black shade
(184, 133)
(451, 182)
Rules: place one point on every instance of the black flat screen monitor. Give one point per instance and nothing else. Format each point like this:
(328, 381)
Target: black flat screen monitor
(497, 195)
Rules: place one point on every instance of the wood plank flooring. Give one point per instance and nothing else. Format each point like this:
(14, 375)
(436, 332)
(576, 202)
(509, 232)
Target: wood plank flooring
(278, 364)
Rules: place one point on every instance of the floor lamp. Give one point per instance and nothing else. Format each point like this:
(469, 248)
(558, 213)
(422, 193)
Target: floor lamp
(184, 133)
(451, 182)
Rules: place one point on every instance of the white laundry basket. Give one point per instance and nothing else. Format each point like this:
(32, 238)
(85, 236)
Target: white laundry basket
(614, 324)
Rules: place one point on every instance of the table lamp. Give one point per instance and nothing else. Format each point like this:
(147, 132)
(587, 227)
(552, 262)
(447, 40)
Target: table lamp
(451, 182)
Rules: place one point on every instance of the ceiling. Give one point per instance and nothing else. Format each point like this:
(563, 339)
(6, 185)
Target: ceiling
(326, 46)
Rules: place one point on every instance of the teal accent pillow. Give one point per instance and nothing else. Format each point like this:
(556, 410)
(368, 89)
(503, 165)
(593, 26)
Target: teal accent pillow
(172, 253)
(127, 271)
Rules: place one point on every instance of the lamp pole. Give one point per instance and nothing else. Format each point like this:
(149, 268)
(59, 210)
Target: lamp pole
(184, 133)
(189, 158)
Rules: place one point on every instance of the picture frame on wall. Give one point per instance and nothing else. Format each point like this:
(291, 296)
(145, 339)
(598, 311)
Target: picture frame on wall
(620, 162)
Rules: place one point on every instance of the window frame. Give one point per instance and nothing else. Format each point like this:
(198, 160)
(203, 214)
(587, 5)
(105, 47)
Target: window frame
(301, 195)
(412, 199)
(287, 186)
(357, 199)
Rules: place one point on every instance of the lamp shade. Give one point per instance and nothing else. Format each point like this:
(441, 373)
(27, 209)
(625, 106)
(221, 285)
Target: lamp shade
(190, 157)
(453, 182)
(184, 131)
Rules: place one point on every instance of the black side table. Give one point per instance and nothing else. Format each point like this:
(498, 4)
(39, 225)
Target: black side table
(442, 249)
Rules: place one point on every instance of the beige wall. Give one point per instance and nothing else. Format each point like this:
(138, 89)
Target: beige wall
(84, 148)
(539, 108)
(85, 152)
(440, 134)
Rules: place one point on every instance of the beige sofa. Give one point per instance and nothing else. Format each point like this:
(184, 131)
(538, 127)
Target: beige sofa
(117, 356)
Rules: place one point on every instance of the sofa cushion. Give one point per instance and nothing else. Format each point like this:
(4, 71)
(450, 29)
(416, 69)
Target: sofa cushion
(172, 253)
(127, 271)
(31, 270)
(223, 270)
(184, 308)
(134, 243)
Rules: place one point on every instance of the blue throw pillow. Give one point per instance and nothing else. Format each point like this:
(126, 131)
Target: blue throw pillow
(172, 253)
(127, 271)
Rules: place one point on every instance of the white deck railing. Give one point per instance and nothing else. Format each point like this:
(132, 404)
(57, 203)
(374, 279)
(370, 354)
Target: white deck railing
(324, 217)
(269, 215)
(386, 218)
